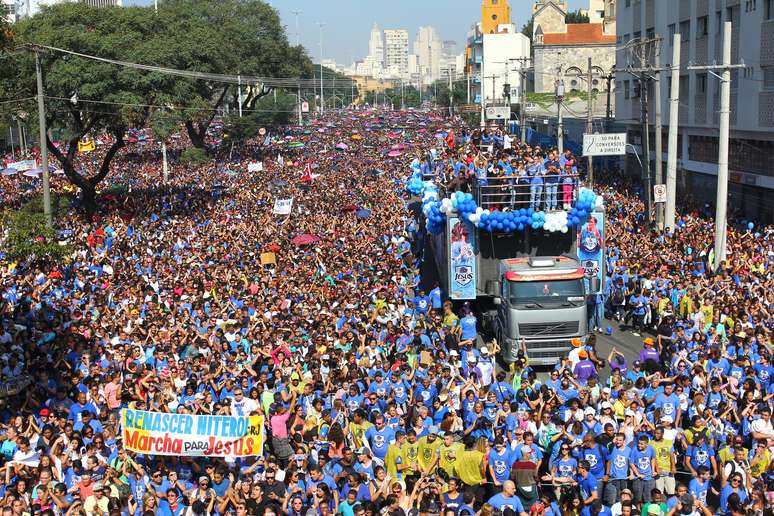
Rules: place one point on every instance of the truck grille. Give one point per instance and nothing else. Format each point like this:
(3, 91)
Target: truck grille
(536, 355)
(552, 328)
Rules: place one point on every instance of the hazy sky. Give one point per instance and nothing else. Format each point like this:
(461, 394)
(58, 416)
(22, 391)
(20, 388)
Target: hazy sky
(348, 22)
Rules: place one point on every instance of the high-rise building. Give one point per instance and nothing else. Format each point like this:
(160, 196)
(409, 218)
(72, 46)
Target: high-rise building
(449, 60)
(428, 48)
(396, 51)
(376, 46)
(699, 25)
(494, 13)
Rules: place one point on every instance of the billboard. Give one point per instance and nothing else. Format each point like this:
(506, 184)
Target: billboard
(190, 435)
(462, 259)
(591, 251)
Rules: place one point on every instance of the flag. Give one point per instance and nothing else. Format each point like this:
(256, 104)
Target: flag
(307, 175)
(281, 160)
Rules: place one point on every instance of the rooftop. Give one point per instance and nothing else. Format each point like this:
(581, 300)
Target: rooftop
(579, 34)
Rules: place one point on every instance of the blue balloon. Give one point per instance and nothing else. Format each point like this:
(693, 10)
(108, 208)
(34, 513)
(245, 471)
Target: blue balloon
(530, 211)
(750, 226)
(521, 226)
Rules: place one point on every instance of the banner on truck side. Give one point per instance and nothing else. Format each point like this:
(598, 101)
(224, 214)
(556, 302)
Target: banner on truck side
(591, 250)
(189, 435)
(462, 260)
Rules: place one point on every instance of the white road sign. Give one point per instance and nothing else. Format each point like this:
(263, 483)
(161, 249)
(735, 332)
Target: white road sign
(613, 144)
(498, 113)
(305, 107)
(659, 193)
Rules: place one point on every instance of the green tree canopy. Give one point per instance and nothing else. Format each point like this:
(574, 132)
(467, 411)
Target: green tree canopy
(224, 37)
(576, 17)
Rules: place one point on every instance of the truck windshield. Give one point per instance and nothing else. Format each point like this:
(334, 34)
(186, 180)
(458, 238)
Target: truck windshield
(541, 293)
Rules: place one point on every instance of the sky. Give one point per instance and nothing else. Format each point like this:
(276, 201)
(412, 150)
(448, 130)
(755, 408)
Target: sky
(348, 22)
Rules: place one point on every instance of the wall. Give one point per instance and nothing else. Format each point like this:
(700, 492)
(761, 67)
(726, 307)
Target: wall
(549, 58)
(499, 48)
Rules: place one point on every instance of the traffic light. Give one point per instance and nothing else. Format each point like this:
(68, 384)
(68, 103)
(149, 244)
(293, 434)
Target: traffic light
(506, 90)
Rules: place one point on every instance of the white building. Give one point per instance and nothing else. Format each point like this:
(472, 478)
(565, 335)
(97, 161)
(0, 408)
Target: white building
(428, 48)
(700, 25)
(396, 51)
(26, 8)
(499, 67)
(376, 50)
(8, 10)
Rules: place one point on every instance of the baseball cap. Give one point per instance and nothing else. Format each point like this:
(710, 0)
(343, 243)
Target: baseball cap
(627, 491)
(606, 404)
(589, 411)
(484, 350)
(433, 430)
(45, 412)
(667, 419)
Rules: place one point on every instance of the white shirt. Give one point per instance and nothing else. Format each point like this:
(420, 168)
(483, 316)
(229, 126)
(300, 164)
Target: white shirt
(243, 407)
(761, 426)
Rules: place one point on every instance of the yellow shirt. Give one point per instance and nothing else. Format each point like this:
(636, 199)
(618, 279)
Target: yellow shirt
(427, 451)
(760, 467)
(449, 456)
(468, 467)
(391, 460)
(358, 430)
(664, 450)
(619, 409)
(409, 455)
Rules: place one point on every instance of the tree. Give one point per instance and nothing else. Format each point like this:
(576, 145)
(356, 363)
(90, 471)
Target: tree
(224, 37)
(528, 28)
(6, 34)
(576, 17)
(114, 98)
(164, 123)
(459, 93)
(28, 237)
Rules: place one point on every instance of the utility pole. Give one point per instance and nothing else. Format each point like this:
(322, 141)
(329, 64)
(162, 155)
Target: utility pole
(657, 130)
(300, 114)
(43, 143)
(239, 94)
(467, 78)
(322, 98)
(560, 124)
(483, 103)
(645, 140)
(725, 118)
(674, 106)
(643, 76)
(451, 92)
(608, 111)
(298, 33)
(402, 96)
(352, 92)
(10, 135)
(590, 122)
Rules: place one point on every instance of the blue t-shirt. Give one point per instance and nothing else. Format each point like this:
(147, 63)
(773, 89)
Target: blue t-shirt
(619, 463)
(642, 461)
(501, 464)
(380, 440)
(468, 327)
(596, 457)
(501, 502)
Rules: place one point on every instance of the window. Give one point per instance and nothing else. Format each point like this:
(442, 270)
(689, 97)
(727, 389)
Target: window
(637, 35)
(685, 30)
(702, 26)
(494, 2)
(768, 78)
(494, 17)
(636, 89)
(628, 3)
(769, 10)
(749, 72)
(750, 6)
(650, 33)
(701, 83)
(684, 83)
(672, 31)
(626, 38)
(719, 22)
(730, 14)
(626, 89)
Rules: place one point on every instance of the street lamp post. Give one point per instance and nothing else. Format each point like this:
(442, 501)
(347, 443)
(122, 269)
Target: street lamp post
(322, 97)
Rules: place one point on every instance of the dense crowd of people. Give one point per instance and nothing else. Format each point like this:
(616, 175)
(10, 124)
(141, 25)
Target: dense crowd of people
(379, 396)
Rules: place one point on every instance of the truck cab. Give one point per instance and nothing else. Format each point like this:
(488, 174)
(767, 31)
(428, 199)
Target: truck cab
(542, 300)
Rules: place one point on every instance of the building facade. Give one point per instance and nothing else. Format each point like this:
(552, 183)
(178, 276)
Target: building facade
(699, 24)
(376, 49)
(396, 51)
(502, 52)
(428, 48)
(8, 10)
(493, 14)
(562, 50)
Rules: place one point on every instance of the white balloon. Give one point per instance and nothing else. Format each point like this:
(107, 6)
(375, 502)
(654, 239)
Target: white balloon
(565, 229)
